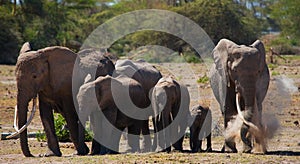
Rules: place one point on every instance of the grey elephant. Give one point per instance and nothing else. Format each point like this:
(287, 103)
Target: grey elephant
(200, 128)
(170, 103)
(147, 75)
(239, 79)
(46, 74)
(120, 99)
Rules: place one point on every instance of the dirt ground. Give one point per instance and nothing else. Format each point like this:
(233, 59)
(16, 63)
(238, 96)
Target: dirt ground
(282, 103)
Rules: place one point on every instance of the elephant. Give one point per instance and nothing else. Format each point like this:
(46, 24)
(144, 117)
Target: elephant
(110, 98)
(47, 74)
(200, 128)
(170, 103)
(147, 75)
(239, 78)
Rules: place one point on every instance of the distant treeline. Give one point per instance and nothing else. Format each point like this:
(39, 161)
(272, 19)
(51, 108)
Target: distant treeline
(68, 22)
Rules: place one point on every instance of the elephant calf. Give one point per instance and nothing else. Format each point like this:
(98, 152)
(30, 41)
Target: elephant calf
(170, 103)
(123, 103)
(200, 128)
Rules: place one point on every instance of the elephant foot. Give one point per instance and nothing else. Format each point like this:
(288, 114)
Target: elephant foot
(82, 151)
(259, 149)
(28, 155)
(132, 151)
(145, 150)
(247, 149)
(208, 149)
(161, 150)
(50, 153)
(112, 152)
(226, 149)
(177, 151)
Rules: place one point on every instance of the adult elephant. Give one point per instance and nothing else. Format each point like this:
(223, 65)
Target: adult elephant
(116, 97)
(147, 75)
(46, 74)
(239, 79)
(170, 102)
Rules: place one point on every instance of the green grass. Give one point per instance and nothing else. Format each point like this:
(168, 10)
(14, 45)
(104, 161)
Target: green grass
(275, 73)
(272, 66)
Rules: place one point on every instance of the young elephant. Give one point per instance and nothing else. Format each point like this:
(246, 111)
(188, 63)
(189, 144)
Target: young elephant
(120, 99)
(170, 102)
(200, 128)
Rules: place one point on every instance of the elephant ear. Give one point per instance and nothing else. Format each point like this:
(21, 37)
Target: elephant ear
(220, 55)
(261, 48)
(25, 48)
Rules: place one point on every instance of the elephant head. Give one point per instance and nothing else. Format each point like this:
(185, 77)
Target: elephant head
(244, 70)
(95, 63)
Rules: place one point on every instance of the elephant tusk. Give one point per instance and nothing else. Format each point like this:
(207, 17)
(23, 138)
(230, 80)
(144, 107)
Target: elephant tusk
(250, 124)
(18, 131)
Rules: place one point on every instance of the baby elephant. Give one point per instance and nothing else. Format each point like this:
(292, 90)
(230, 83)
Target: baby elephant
(200, 128)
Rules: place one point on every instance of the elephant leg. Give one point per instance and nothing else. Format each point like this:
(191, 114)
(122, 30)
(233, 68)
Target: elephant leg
(134, 137)
(208, 143)
(154, 143)
(146, 143)
(194, 138)
(259, 145)
(115, 140)
(46, 115)
(229, 145)
(176, 139)
(163, 142)
(200, 145)
(81, 150)
(178, 144)
(97, 148)
(167, 135)
(246, 138)
(72, 122)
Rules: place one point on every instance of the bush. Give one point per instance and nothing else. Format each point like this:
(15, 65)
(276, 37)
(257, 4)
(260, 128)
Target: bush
(204, 79)
(62, 131)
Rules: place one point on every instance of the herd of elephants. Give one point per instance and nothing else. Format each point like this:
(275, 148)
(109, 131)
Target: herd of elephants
(120, 94)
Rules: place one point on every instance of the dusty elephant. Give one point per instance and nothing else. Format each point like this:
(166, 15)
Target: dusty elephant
(200, 128)
(170, 103)
(116, 97)
(239, 79)
(46, 74)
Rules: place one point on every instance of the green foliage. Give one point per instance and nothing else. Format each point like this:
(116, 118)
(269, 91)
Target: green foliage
(191, 57)
(202, 80)
(287, 12)
(222, 19)
(61, 131)
(68, 22)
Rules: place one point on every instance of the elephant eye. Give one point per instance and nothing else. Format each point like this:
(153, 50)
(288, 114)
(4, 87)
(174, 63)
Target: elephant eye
(34, 76)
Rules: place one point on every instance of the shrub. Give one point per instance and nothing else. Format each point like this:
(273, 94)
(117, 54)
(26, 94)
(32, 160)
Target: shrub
(204, 79)
(62, 131)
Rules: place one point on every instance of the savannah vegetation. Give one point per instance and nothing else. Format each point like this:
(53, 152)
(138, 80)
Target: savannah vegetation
(68, 22)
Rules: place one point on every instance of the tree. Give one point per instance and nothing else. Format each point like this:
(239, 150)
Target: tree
(223, 19)
(287, 12)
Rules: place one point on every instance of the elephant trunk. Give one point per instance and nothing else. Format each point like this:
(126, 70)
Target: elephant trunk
(246, 118)
(22, 108)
